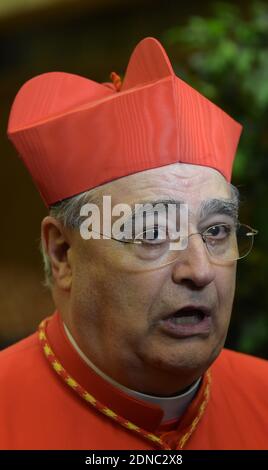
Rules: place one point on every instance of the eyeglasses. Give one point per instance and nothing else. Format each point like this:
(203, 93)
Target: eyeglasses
(151, 250)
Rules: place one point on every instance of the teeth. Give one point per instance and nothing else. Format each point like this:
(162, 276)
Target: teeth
(187, 317)
(187, 320)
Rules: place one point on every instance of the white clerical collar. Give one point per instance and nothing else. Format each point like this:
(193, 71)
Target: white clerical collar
(173, 407)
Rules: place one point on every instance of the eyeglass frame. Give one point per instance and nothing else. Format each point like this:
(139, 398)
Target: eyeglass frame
(253, 233)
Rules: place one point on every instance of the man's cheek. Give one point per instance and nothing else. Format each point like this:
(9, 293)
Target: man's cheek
(225, 282)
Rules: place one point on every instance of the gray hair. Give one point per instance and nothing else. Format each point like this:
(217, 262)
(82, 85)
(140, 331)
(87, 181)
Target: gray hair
(67, 212)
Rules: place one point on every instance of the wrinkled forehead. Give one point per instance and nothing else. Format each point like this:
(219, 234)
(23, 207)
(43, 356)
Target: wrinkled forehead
(187, 183)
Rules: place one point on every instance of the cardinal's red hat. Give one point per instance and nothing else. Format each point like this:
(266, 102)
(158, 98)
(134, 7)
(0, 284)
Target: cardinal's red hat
(74, 134)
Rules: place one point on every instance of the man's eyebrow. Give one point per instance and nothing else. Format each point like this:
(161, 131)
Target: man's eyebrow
(154, 202)
(138, 211)
(208, 207)
(219, 206)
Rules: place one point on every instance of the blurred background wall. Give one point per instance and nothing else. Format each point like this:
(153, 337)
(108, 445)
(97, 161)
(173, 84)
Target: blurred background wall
(219, 48)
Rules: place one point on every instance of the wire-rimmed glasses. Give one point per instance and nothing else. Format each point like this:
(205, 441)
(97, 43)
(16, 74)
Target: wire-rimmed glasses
(151, 250)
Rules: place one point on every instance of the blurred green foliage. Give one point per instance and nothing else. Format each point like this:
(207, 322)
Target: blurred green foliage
(225, 57)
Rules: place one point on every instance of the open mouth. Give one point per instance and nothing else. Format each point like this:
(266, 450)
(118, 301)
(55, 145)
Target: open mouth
(187, 316)
(188, 321)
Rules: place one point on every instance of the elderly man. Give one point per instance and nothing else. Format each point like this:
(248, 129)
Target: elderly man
(133, 357)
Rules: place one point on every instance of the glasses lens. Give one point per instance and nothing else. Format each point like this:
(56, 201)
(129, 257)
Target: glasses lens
(245, 239)
(149, 250)
(221, 241)
(230, 243)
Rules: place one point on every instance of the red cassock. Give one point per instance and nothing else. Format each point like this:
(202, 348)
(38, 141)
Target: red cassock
(51, 399)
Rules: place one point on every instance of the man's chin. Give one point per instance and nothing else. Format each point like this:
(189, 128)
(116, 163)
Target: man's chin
(190, 356)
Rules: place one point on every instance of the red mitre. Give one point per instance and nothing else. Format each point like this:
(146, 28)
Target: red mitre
(74, 134)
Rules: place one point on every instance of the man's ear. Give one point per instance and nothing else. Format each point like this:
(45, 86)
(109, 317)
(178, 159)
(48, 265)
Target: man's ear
(57, 245)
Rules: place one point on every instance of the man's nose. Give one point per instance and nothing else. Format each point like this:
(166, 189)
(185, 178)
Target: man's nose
(194, 264)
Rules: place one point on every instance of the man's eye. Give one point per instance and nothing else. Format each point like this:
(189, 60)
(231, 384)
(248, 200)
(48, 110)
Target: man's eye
(218, 232)
(153, 236)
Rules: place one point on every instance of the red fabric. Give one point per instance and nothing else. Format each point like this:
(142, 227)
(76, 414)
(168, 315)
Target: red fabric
(39, 411)
(143, 414)
(74, 134)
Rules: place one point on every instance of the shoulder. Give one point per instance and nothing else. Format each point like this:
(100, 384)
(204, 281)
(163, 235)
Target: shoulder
(20, 359)
(26, 345)
(241, 369)
(245, 362)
